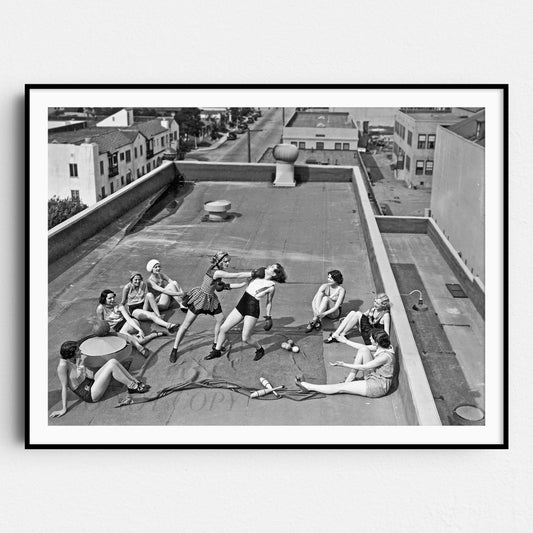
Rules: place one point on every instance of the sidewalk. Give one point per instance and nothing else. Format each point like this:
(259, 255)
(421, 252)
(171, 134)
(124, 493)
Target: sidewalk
(214, 146)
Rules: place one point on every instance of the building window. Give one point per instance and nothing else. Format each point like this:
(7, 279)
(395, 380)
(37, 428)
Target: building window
(73, 170)
(138, 173)
(319, 146)
(128, 177)
(75, 195)
(409, 137)
(148, 167)
(122, 180)
(294, 143)
(135, 152)
(101, 168)
(112, 186)
(419, 168)
(431, 142)
(142, 171)
(128, 156)
(162, 141)
(122, 156)
(103, 192)
(302, 145)
(141, 149)
(338, 146)
(429, 168)
(422, 141)
(345, 146)
(407, 162)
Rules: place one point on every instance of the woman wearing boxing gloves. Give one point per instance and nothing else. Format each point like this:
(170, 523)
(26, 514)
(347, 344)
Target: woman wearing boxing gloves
(203, 300)
(248, 309)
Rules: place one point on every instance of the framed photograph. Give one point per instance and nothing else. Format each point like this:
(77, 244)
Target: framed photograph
(267, 266)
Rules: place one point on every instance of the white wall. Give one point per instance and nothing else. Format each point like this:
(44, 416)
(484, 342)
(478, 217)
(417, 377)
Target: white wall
(458, 197)
(265, 490)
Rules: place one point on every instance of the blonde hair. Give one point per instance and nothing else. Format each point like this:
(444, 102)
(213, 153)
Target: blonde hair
(384, 301)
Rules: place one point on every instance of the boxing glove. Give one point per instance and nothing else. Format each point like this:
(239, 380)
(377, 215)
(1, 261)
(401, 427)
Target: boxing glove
(258, 273)
(267, 326)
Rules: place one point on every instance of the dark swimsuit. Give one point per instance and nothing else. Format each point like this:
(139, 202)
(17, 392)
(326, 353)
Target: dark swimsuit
(248, 306)
(83, 390)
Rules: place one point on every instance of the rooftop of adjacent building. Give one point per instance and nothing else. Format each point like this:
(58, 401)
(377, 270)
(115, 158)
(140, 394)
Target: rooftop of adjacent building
(471, 128)
(320, 119)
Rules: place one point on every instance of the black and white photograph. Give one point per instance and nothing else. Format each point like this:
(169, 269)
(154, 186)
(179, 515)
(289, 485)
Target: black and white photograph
(267, 266)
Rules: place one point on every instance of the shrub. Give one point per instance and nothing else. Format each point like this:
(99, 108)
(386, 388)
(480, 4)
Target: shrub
(60, 209)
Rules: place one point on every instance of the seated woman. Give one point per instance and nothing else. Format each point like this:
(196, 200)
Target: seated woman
(163, 288)
(328, 300)
(248, 310)
(122, 323)
(376, 363)
(137, 300)
(84, 383)
(377, 317)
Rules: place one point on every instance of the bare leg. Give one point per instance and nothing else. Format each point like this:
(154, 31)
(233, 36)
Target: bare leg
(102, 378)
(233, 319)
(163, 302)
(190, 317)
(178, 297)
(149, 302)
(349, 322)
(363, 356)
(219, 319)
(247, 331)
(355, 387)
(141, 314)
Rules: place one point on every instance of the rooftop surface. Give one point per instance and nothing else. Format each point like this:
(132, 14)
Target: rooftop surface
(320, 119)
(444, 118)
(310, 229)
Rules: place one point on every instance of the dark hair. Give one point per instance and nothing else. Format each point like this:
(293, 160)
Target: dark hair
(381, 337)
(336, 276)
(103, 296)
(68, 349)
(280, 275)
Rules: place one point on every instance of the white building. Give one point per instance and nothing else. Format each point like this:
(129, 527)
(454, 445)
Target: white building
(458, 195)
(92, 163)
(321, 130)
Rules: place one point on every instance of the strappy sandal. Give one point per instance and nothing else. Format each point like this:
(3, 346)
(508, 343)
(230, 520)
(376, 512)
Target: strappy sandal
(318, 325)
(330, 339)
(141, 388)
(310, 327)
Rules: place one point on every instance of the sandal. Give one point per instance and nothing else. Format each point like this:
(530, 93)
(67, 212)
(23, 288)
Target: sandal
(318, 325)
(310, 327)
(298, 383)
(330, 339)
(141, 388)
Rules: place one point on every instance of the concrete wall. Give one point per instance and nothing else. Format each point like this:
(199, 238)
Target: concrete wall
(472, 285)
(413, 387)
(391, 224)
(458, 197)
(203, 171)
(85, 224)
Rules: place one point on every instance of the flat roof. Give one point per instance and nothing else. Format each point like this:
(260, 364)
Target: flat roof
(320, 119)
(310, 230)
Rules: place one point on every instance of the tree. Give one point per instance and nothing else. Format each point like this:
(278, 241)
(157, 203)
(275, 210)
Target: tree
(60, 209)
(189, 121)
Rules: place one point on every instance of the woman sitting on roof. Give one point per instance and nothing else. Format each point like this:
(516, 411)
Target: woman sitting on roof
(203, 300)
(84, 383)
(377, 317)
(136, 300)
(328, 300)
(122, 323)
(163, 288)
(376, 362)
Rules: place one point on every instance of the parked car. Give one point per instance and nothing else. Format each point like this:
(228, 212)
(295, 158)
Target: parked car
(232, 136)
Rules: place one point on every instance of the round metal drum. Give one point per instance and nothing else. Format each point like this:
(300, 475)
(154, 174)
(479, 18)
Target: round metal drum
(99, 350)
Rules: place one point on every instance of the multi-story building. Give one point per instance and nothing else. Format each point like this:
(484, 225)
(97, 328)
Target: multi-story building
(91, 163)
(321, 130)
(458, 195)
(415, 139)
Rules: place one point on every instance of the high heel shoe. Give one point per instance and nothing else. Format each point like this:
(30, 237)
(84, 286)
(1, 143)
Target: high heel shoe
(311, 326)
(330, 339)
(173, 355)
